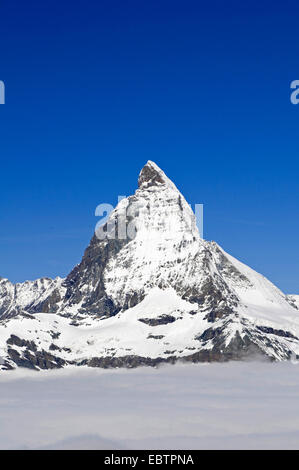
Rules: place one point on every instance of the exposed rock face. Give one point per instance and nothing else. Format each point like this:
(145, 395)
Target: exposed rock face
(150, 175)
(294, 300)
(149, 291)
(161, 320)
(85, 288)
(42, 295)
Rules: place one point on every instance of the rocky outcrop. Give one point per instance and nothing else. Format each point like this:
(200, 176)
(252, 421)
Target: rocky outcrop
(30, 357)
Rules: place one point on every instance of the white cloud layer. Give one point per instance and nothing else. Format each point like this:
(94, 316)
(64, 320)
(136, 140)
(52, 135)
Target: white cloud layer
(211, 406)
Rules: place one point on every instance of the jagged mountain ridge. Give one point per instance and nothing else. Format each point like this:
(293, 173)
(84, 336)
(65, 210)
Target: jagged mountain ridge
(160, 295)
(29, 297)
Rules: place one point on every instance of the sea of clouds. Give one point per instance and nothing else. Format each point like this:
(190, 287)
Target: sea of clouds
(203, 406)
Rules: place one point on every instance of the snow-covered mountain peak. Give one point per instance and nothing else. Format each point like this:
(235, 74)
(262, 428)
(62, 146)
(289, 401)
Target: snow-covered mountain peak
(159, 197)
(152, 175)
(162, 238)
(150, 291)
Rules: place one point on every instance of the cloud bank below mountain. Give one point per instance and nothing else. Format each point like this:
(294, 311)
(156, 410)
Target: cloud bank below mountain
(207, 406)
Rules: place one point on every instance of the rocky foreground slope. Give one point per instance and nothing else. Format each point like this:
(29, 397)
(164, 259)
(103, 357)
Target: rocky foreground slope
(148, 290)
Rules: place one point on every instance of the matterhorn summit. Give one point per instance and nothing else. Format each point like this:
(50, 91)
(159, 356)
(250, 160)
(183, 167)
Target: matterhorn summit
(148, 290)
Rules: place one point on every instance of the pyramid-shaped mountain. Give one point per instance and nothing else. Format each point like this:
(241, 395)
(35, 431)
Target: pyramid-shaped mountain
(148, 290)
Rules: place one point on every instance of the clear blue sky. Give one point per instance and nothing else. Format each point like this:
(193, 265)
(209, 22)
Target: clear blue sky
(95, 89)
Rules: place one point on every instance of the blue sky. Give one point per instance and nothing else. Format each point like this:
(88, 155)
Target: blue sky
(95, 89)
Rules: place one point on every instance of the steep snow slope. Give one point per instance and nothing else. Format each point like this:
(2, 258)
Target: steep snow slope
(148, 290)
(262, 300)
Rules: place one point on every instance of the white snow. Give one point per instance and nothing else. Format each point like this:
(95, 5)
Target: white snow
(121, 335)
